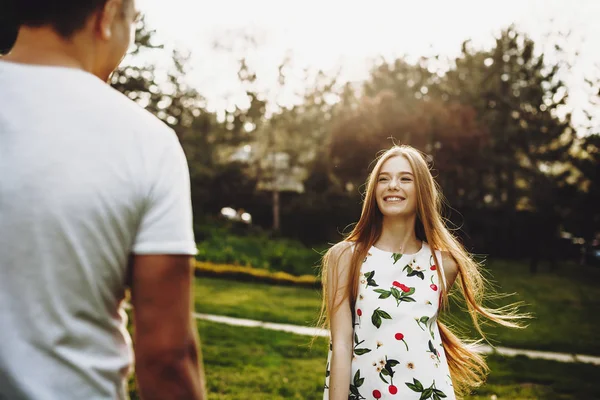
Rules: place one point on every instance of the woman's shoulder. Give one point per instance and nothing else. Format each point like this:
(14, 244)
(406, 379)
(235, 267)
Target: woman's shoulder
(339, 258)
(342, 249)
(450, 267)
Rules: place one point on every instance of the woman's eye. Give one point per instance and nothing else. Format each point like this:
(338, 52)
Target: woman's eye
(382, 179)
(406, 180)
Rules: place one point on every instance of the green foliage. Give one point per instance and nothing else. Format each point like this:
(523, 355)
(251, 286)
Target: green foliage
(583, 213)
(249, 274)
(258, 250)
(504, 152)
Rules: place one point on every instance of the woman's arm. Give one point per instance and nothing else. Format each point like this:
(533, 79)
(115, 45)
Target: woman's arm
(450, 269)
(338, 279)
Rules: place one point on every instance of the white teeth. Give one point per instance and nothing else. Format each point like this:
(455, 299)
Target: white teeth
(393, 199)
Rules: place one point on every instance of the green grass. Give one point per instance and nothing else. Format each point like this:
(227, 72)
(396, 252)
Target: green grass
(258, 301)
(252, 363)
(564, 305)
(523, 378)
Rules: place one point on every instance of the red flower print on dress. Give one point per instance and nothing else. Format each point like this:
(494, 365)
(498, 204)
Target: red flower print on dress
(399, 336)
(400, 295)
(376, 394)
(393, 389)
(401, 286)
(433, 267)
(359, 314)
(433, 286)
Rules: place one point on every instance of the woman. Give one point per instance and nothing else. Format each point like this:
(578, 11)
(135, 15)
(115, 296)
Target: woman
(385, 285)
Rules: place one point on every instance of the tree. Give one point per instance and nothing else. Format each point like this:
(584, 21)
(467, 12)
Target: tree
(521, 101)
(447, 131)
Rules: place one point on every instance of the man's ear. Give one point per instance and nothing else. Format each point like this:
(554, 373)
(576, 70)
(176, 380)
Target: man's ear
(106, 16)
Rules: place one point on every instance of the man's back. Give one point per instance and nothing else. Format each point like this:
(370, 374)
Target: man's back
(86, 179)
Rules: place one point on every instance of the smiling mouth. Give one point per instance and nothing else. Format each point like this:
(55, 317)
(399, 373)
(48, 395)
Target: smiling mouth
(393, 199)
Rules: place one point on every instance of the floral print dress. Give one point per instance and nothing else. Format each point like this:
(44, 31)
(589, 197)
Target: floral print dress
(398, 351)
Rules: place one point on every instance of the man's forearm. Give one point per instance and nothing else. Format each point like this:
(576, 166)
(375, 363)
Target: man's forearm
(196, 355)
(172, 377)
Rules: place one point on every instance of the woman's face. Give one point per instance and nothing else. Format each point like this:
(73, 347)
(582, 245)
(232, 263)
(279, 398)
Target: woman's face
(395, 191)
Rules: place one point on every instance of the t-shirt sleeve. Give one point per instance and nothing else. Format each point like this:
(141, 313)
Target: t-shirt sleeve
(166, 225)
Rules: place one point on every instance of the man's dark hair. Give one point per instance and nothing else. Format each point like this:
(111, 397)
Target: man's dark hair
(8, 26)
(65, 16)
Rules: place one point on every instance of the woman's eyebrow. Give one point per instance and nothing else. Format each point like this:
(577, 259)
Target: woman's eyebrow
(399, 173)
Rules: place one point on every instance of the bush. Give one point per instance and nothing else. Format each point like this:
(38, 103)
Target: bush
(258, 250)
(249, 274)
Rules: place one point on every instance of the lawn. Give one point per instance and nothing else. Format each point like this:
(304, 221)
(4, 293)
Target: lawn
(252, 363)
(564, 304)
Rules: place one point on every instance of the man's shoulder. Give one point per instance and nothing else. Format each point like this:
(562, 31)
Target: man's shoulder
(134, 115)
(93, 98)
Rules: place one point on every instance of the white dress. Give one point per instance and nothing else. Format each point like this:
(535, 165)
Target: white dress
(398, 351)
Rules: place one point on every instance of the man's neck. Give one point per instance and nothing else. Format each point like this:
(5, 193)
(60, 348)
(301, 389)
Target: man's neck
(43, 46)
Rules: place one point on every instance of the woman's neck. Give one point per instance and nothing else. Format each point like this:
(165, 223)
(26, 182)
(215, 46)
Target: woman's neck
(398, 235)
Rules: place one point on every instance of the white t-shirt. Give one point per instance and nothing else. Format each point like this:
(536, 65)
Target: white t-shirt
(87, 177)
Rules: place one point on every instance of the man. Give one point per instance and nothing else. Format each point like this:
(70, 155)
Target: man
(94, 196)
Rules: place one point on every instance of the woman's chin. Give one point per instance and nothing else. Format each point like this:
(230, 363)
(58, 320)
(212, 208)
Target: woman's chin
(398, 213)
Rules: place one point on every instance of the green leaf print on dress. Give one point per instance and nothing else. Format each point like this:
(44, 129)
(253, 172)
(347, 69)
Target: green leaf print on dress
(425, 320)
(435, 354)
(369, 279)
(400, 292)
(413, 270)
(356, 383)
(377, 316)
(426, 393)
(357, 351)
(396, 257)
(387, 369)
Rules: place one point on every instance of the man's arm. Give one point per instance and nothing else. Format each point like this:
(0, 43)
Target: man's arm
(167, 356)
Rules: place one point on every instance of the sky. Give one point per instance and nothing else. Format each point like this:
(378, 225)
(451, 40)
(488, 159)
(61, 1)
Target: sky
(332, 35)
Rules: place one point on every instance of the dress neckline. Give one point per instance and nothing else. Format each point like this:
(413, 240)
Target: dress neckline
(385, 252)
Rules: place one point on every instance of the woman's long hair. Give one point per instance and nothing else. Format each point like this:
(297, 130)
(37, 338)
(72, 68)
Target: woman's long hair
(467, 368)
